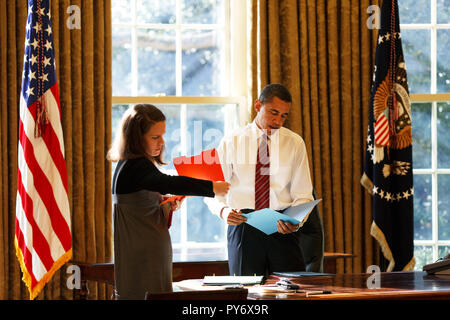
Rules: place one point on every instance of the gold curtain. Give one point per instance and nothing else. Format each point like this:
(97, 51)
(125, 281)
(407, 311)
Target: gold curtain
(83, 65)
(324, 53)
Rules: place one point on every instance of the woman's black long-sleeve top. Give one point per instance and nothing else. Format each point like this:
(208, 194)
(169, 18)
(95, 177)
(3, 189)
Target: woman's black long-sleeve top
(140, 173)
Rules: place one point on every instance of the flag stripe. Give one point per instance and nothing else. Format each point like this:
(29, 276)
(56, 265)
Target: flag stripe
(381, 130)
(381, 140)
(54, 145)
(54, 172)
(45, 191)
(38, 209)
(40, 244)
(44, 159)
(26, 254)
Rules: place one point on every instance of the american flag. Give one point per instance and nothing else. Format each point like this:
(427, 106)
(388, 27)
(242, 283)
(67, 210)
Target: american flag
(43, 237)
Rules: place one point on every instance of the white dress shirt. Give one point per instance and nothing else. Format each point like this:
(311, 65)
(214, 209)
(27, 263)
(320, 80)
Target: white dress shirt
(290, 180)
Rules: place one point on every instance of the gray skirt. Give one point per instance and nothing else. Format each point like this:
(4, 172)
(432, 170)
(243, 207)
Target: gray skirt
(142, 245)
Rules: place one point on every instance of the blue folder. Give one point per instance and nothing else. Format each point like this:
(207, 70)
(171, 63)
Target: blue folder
(266, 219)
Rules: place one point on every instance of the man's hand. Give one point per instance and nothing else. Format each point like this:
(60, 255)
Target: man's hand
(287, 227)
(233, 217)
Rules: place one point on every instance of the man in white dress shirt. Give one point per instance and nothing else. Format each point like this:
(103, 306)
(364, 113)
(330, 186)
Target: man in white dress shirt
(251, 251)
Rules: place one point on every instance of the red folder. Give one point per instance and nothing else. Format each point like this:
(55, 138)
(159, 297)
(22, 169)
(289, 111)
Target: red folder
(204, 166)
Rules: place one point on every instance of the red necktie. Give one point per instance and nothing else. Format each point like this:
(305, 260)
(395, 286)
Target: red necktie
(262, 176)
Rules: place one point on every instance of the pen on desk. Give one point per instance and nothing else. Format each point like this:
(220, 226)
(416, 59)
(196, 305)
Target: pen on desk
(312, 293)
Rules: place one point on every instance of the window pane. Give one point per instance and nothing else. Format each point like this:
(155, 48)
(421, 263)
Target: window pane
(156, 62)
(172, 136)
(443, 60)
(203, 226)
(116, 115)
(155, 11)
(175, 228)
(202, 11)
(423, 256)
(414, 11)
(205, 254)
(202, 67)
(205, 126)
(421, 120)
(443, 251)
(117, 112)
(443, 11)
(121, 61)
(422, 207)
(171, 146)
(416, 48)
(443, 136)
(120, 11)
(199, 254)
(444, 207)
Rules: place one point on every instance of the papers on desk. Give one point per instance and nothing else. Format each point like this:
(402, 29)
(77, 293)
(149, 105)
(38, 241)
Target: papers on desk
(232, 280)
(300, 274)
(266, 219)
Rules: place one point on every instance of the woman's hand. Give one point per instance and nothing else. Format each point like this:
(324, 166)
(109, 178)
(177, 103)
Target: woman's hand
(175, 205)
(220, 188)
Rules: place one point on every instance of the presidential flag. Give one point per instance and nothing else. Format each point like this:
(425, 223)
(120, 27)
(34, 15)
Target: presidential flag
(43, 237)
(388, 156)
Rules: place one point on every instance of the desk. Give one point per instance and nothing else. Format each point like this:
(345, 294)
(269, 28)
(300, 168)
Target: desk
(104, 272)
(393, 285)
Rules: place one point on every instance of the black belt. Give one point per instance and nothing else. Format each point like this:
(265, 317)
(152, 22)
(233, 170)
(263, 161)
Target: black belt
(245, 211)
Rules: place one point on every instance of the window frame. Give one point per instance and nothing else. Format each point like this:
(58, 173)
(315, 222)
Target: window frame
(235, 47)
(434, 172)
(434, 98)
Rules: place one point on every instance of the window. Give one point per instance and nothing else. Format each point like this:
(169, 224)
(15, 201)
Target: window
(425, 27)
(177, 54)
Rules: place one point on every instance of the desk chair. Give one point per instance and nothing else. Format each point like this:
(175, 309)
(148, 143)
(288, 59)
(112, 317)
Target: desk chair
(312, 240)
(224, 294)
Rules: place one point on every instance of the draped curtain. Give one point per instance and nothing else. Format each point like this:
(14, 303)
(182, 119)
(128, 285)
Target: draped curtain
(83, 66)
(324, 53)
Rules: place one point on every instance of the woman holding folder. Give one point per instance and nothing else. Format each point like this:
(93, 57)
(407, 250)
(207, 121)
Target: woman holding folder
(142, 245)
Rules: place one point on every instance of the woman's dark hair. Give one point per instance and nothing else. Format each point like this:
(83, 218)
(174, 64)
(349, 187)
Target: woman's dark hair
(275, 90)
(129, 141)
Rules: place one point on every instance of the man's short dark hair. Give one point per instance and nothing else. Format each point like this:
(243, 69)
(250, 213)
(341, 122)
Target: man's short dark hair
(275, 90)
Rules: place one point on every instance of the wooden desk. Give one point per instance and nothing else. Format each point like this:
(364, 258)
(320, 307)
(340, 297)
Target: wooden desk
(104, 272)
(393, 285)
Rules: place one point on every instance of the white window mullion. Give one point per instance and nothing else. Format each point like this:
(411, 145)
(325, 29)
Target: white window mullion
(433, 46)
(434, 152)
(134, 51)
(434, 188)
(179, 51)
(184, 217)
(226, 59)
